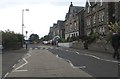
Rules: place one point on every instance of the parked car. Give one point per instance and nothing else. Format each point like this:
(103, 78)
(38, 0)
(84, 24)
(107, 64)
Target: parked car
(45, 42)
(1, 47)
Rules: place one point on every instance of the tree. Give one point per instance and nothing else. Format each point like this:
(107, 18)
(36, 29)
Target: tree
(113, 28)
(45, 38)
(34, 38)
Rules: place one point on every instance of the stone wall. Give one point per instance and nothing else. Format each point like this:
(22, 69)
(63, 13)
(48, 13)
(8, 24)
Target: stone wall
(99, 47)
(65, 44)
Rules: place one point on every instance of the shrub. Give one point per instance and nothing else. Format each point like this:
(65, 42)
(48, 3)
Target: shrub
(11, 40)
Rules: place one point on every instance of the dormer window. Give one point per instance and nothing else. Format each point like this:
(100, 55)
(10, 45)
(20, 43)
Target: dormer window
(88, 9)
(93, 9)
(94, 18)
(101, 2)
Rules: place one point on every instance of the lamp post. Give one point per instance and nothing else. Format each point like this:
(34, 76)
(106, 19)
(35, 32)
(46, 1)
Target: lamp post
(23, 25)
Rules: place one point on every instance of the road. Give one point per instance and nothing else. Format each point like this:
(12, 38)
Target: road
(51, 61)
(92, 64)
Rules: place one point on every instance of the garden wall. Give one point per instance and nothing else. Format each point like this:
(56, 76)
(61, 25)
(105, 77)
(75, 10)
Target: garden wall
(99, 47)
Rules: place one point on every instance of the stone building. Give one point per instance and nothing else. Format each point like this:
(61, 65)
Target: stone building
(61, 28)
(72, 21)
(50, 33)
(80, 17)
(57, 29)
(98, 15)
(117, 12)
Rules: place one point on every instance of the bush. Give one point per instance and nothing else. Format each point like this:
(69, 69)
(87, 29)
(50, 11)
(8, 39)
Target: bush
(11, 40)
(89, 39)
(62, 40)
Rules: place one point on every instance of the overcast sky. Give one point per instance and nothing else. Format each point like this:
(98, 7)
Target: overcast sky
(41, 15)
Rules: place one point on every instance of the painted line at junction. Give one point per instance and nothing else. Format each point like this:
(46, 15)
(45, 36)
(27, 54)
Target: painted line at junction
(26, 62)
(79, 67)
(6, 75)
(96, 57)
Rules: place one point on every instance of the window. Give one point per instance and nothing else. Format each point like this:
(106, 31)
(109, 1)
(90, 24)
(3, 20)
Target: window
(102, 30)
(93, 9)
(57, 32)
(88, 9)
(101, 16)
(70, 26)
(75, 24)
(94, 19)
(88, 20)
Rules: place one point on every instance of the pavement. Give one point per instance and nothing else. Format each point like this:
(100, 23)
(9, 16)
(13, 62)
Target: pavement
(9, 58)
(0, 65)
(42, 63)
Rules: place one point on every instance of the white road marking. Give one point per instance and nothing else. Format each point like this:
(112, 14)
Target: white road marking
(75, 66)
(71, 63)
(6, 75)
(26, 62)
(101, 58)
(58, 57)
(92, 56)
(14, 65)
(77, 53)
(98, 57)
(110, 60)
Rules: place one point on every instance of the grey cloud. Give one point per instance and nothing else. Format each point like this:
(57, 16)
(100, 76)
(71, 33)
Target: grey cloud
(8, 3)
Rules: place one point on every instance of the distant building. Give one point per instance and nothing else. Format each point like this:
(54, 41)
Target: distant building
(61, 28)
(72, 21)
(57, 29)
(51, 33)
(94, 17)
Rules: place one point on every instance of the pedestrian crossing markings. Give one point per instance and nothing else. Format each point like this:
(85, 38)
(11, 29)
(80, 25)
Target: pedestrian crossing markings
(38, 48)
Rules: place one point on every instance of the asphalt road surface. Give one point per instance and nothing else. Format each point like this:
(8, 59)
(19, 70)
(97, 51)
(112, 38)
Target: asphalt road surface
(94, 65)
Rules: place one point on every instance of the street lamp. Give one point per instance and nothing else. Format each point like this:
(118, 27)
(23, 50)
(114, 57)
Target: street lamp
(23, 24)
